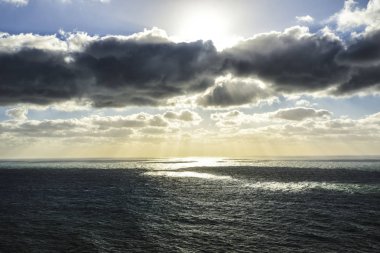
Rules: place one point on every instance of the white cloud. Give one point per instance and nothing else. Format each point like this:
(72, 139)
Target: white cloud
(305, 19)
(303, 103)
(373, 119)
(18, 113)
(70, 106)
(233, 127)
(235, 119)
(230, 119)
(16, 2)
(13, 43)
(72, 41)
(311, 130)
(63, 41)
(95, 126)
(148, 35)
(26, 2)
(351, 16)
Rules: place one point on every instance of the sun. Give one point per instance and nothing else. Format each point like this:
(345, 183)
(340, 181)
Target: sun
(205, 24)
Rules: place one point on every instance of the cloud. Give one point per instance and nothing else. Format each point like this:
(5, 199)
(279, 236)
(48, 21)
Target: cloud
(100, 1)
(95, 126)
(361, 79)
(16, 2)
(153, 131)
(229, 91)
(311, 130)
(13, 43)
(234, 127)
(304, 103)
(109, 71)
(294, 61)
(234, 120)
(71, 1)
(36, 76)
(184, 115)
(305, 19)
(300, 113)
(363, 52)
(340, 128)
(238, 119)
(148, 69)
(17, 113)
(352, 17)
(363, 57)
(144, 74)
(19, 3)
(297, 61)
(373, 119)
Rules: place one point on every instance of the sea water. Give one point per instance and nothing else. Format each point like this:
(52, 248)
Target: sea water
(190, 205)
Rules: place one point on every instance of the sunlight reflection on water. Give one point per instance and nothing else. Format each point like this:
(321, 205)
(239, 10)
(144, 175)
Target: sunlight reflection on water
(188, 174)
(190, 162)
(219, 205)
(303, 186)
(273, 186)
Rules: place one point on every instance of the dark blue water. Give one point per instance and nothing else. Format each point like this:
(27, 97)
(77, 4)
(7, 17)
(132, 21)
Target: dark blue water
(190, 206)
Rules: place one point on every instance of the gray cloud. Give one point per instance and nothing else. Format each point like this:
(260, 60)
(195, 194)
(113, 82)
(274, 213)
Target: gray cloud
(37, 76)
(300, 113)
(365, 51)
(363, 56)
(110, 72)
(145, 73)
(148, 69)
(295, 61)
(185, 115)
(361, 78)
(233, 92)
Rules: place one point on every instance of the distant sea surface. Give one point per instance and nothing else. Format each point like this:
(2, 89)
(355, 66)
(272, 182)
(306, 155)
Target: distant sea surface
(190, 205)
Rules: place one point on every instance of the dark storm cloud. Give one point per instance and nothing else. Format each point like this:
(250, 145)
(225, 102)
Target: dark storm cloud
(294, 61)
(363, 52)
(109, 72)
(36, 76)
(363, 56)
(361, 78)
(170, 66)
(146, 73)
(115, 72)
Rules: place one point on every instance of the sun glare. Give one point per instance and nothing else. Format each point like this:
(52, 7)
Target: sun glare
(205, 24)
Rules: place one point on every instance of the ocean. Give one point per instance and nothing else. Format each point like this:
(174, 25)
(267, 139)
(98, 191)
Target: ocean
(190, 205)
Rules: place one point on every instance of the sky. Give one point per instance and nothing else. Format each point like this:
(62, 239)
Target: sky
(144, 78)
